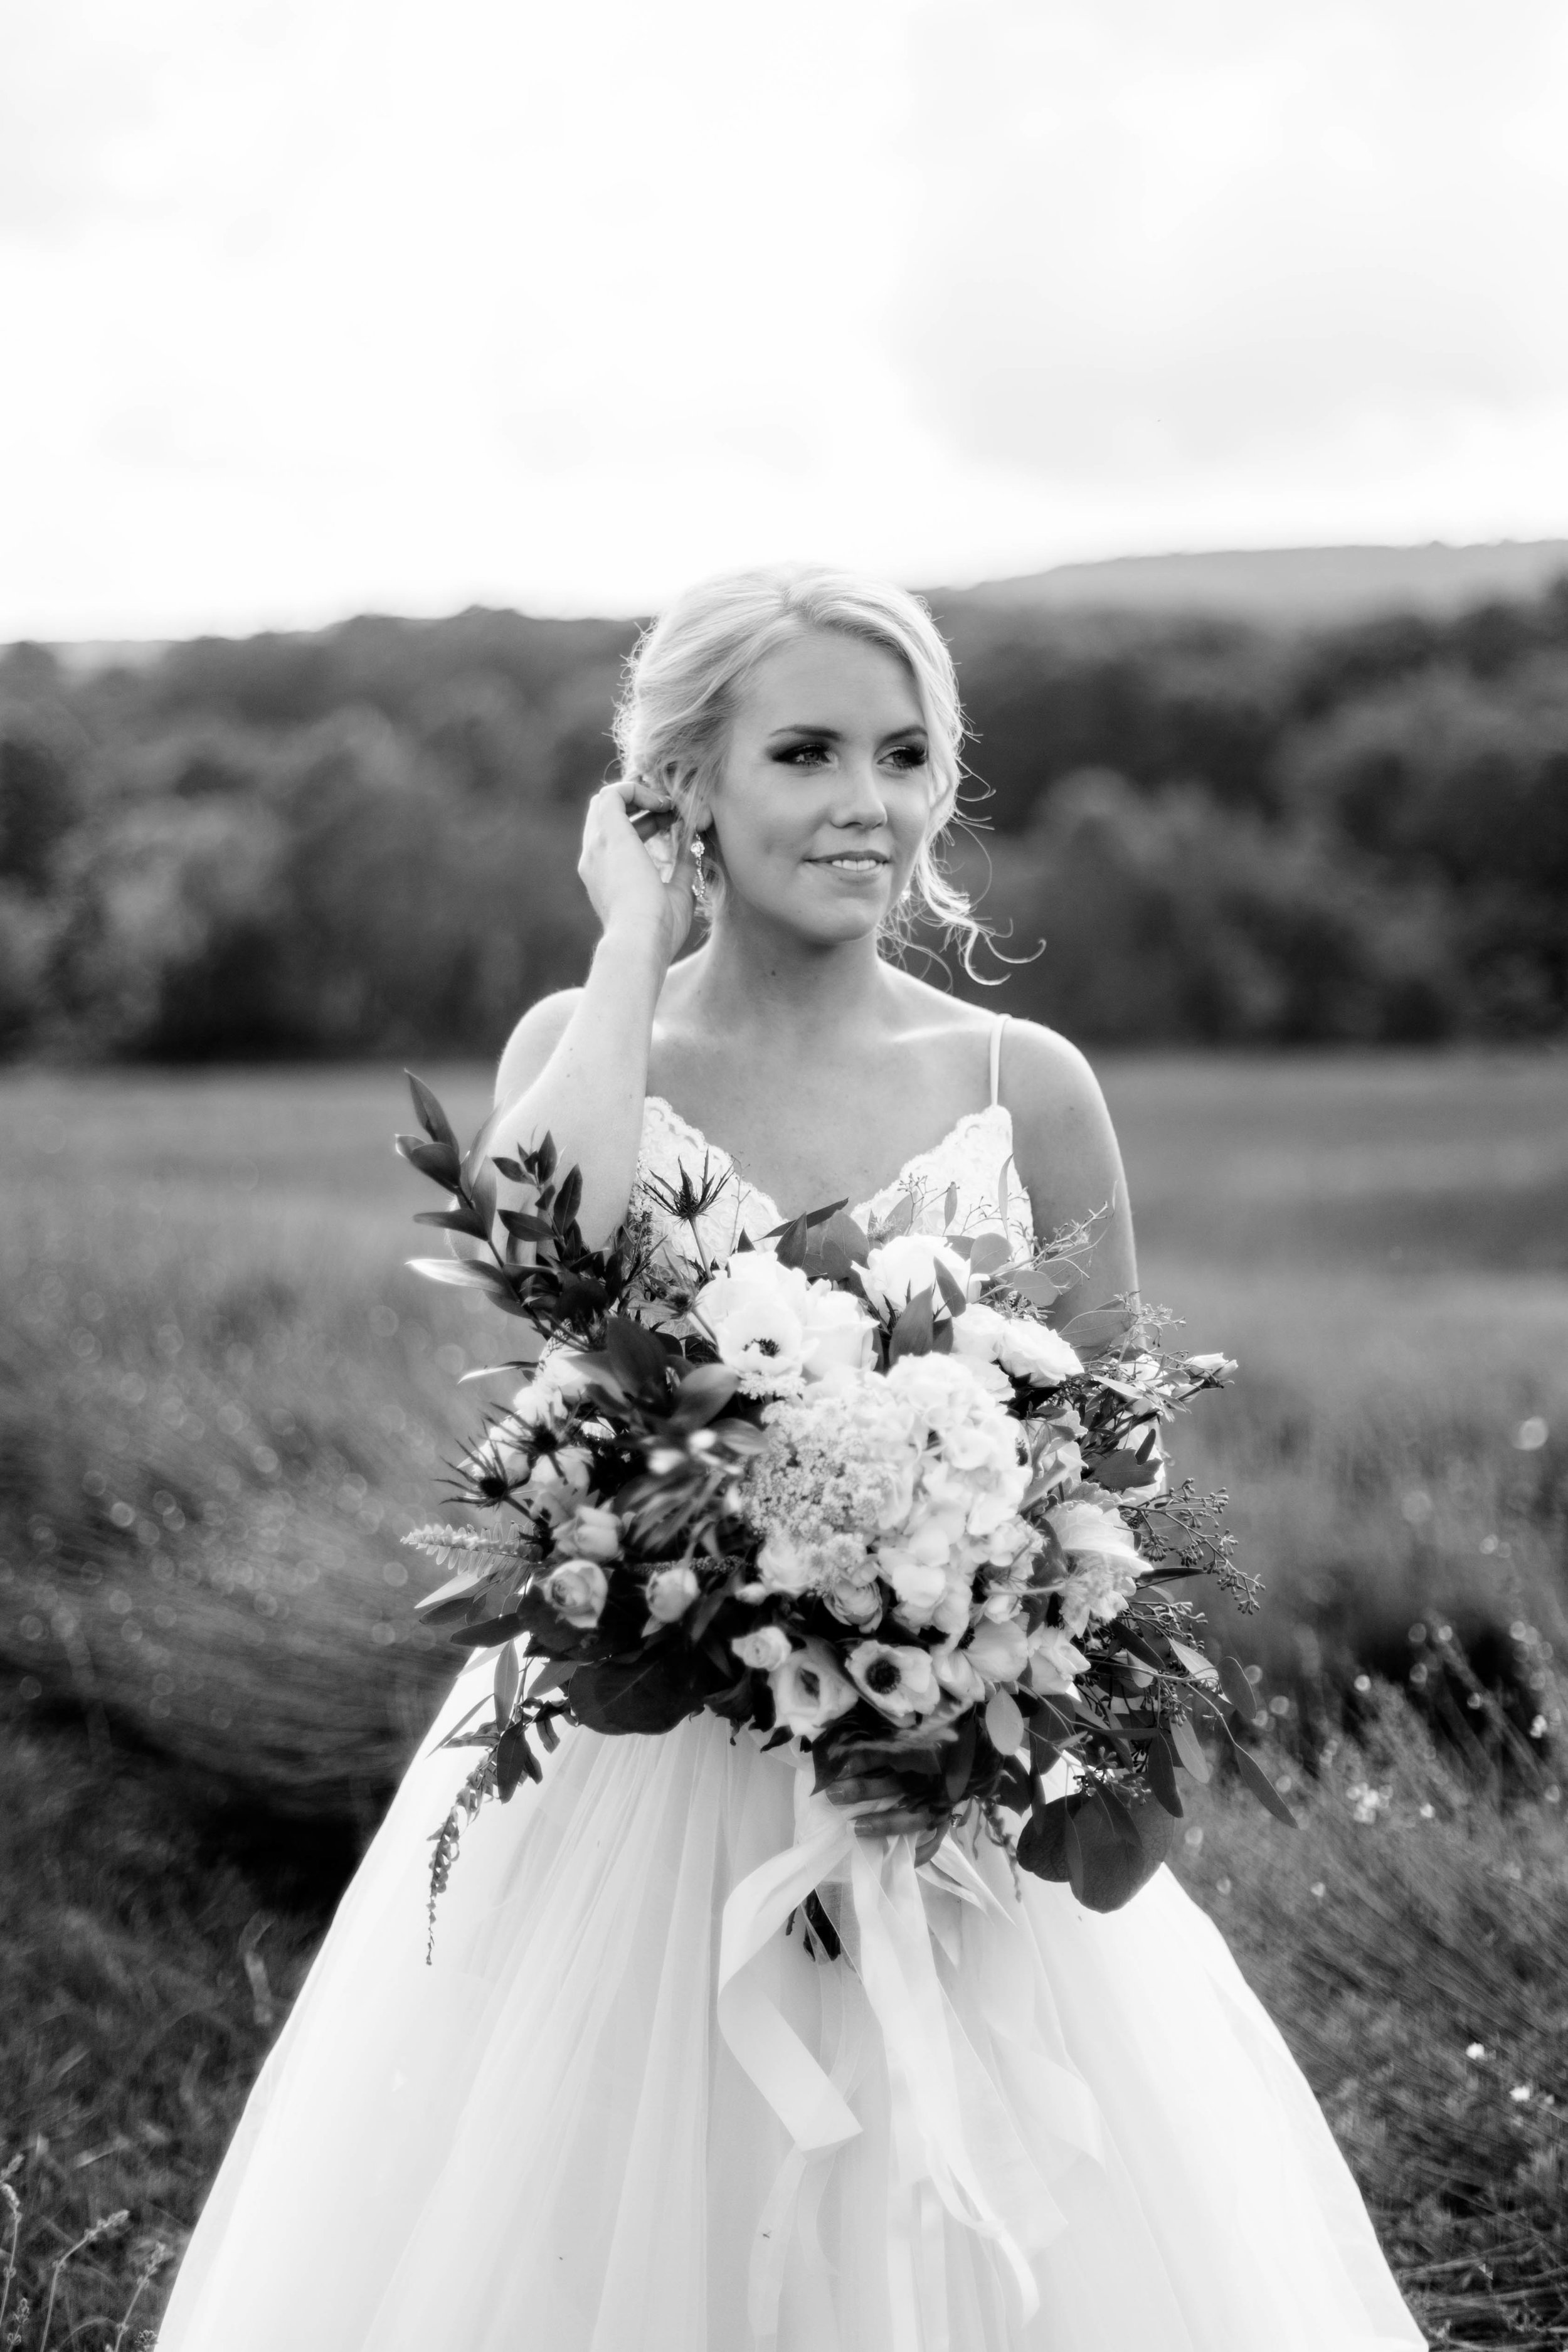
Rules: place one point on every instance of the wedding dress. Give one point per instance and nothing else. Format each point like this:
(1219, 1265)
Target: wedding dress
(1015, 2127)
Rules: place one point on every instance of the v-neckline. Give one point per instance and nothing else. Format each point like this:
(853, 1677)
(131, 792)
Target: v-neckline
(895, 1182)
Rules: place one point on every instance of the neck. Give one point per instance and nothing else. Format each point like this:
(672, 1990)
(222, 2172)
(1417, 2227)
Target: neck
(756, 978)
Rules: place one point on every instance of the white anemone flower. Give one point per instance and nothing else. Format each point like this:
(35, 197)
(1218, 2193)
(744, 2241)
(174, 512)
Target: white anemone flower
(899, 1680)
(809, 1691)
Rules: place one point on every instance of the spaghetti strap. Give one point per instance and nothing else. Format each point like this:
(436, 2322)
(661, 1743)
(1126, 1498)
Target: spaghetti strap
(997, 1028)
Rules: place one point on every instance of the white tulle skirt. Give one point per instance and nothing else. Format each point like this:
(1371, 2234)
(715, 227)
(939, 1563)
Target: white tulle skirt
(1044, 2131)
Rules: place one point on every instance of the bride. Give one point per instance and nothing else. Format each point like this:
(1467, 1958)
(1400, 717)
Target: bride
(544, 2141)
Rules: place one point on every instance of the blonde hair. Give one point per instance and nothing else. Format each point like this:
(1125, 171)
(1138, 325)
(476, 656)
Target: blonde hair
(672, 721)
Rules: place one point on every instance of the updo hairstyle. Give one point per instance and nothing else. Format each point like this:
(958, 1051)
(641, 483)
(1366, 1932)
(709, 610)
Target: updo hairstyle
(672, 721)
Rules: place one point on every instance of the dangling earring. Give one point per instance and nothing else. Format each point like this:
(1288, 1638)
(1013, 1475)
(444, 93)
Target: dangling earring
(700, 876)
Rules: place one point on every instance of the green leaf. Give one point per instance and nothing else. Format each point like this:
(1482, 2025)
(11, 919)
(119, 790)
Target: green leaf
(842, 1233)
(990, 1252)
(650, 1693)
(635, 1358)
(1003, 1723)
(901, 1218)
(1189, 1748)
(1105, 1848)
(439, 1162)
(1163, 1776)
(510, 1169)
(429, 1113)
(1263, 1787)
(791, 1250)
(952, 1297)
(1100, 1328)
(514, 1756)
(462, 1274)
(958, 1761)
(1194, 1660)
(525, 1228)
(913, 1329)
(1036, 1285)
(1116, 1471)
(544, 1158)
(704, 1393)
(569, 1199)
(1237, 1688)
(509, 1675)
(460, 1220)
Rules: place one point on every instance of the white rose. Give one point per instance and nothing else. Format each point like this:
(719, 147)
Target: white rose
(839, 1334)
(898, 1679)
(854, 1603)
(1091, 1527)
(901, 1269)
(957, 1672)
(594, 1532)
(1027, 1349)
(577, 1591)
(768, 1647)
(809, 1691)
(1099, 1588)
(670, 1593)
(785, 1566)
(999, 1653)
(1054, 1663)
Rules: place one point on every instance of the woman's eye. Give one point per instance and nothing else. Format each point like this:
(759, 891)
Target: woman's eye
(906, 757)
(804, 755)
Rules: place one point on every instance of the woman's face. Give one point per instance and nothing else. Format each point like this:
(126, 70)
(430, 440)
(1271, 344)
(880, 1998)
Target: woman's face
(826, 789)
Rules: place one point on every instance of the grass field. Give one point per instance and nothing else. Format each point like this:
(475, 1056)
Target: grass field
(222, 1399)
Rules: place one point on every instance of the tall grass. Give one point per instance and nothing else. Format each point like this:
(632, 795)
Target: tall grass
(222, 1402)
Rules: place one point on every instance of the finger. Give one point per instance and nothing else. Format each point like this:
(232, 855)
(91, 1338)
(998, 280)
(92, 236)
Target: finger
(878, 1787)
(892, 1824)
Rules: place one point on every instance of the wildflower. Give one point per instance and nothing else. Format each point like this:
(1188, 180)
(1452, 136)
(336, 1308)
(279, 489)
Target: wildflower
(809, 1691)
(898, 1679)
(1475, 2049)
(763, 1650)
(577, 1591)
(1521, 2094)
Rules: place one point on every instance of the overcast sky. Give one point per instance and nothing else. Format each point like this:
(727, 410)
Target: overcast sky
(316, 305)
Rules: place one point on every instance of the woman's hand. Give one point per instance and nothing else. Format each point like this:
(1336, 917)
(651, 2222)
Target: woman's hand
(621, 881)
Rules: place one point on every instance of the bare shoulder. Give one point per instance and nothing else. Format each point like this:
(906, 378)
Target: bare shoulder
(1065, 1146)
(533, 1041)
(1045, 1077)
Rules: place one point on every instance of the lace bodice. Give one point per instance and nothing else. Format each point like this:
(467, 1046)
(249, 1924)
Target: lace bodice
(965, 1182)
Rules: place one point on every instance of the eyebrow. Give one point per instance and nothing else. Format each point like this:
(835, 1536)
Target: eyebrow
(836, 734)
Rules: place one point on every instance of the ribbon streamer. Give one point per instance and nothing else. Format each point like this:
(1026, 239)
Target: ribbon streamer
(942, 2109)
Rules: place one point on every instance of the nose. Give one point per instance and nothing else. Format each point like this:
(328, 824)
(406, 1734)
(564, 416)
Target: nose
(859, 803)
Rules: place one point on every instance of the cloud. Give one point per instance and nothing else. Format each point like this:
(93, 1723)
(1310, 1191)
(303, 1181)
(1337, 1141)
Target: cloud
(1153, 240)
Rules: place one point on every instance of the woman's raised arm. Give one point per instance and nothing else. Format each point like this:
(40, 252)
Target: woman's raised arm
(576, 1065)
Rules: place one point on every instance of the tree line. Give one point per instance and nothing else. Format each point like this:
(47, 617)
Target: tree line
(363, 839)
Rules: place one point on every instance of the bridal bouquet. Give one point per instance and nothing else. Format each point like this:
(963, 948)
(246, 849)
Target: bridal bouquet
(845, 1487)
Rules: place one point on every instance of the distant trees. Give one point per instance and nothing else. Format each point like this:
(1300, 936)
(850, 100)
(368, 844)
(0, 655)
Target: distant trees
(365, 840)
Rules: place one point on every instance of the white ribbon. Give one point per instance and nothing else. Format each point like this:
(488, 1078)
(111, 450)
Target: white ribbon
(940, 2109)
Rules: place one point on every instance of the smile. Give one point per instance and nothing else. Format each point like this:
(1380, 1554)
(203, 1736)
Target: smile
(855, 862)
